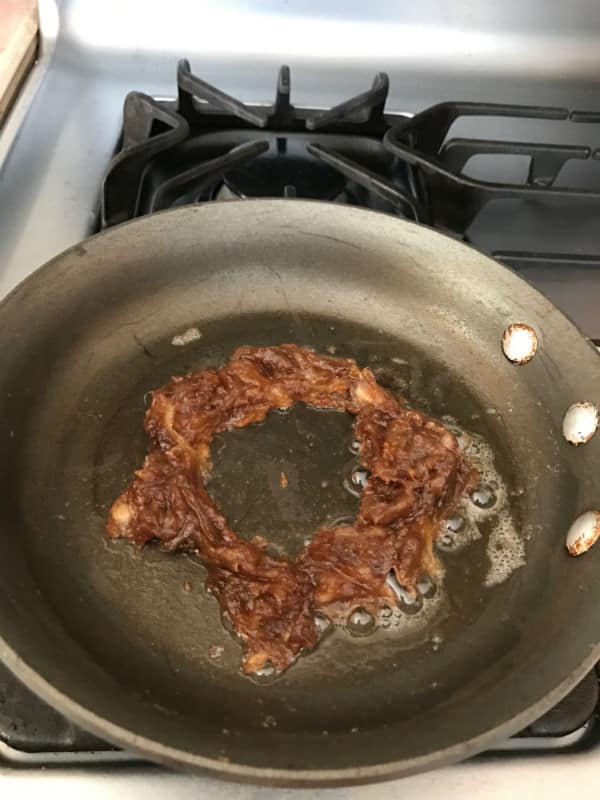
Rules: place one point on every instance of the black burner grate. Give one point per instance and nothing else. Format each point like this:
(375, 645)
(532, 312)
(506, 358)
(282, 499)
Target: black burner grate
(207, 145)
(29, 726)
(452, 200)
(189, 150)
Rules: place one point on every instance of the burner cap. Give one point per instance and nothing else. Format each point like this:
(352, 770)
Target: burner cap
(283, 174)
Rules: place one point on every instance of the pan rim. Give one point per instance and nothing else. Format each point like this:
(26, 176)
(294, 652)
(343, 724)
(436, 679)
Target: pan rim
(80, 246)
(277, 777)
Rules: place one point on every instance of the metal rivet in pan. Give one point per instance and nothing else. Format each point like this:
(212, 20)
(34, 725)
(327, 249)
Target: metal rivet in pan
(519, 343)
(580, 422)
(583, 533)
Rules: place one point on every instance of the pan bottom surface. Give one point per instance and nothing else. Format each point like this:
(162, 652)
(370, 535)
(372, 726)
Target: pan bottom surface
(145, 617)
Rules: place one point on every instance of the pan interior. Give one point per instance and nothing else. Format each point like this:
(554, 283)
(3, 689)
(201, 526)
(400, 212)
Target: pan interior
(121, 639)
(145, 617)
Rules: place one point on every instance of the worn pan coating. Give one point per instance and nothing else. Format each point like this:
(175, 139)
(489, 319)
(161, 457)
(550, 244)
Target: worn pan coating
(119, 641)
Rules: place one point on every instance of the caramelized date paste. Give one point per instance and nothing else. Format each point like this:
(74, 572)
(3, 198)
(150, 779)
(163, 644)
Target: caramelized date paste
(417, 475)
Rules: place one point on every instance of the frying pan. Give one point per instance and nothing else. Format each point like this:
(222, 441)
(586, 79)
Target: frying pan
(121, 640)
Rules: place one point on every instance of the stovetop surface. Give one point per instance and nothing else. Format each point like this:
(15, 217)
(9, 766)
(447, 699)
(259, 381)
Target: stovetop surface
(64, 131)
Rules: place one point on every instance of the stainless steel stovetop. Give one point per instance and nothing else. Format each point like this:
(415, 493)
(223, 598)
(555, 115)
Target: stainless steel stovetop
(58, 141)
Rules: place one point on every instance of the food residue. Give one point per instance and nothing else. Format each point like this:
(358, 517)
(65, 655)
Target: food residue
(414, 476)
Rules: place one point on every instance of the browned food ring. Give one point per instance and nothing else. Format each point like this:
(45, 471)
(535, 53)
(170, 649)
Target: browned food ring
(416, 476)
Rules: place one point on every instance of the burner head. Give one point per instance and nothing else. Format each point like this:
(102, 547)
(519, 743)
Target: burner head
(206, 145)
(285, 171)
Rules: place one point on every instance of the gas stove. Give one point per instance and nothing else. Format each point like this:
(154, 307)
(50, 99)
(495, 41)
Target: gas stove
(82, 152)
(530, 204)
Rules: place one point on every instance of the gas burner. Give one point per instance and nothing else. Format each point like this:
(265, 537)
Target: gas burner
(209, 146)
(287, 172)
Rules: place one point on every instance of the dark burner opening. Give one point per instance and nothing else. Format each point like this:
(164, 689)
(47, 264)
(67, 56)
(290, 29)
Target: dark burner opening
(271, 174)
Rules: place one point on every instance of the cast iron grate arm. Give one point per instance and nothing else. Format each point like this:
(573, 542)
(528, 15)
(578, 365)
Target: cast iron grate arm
(452, 200)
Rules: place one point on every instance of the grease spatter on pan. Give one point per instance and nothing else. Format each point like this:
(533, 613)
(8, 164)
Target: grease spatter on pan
(187, 337)
(486, 507)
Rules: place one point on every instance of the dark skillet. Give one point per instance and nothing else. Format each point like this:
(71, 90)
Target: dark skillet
(119, 640)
